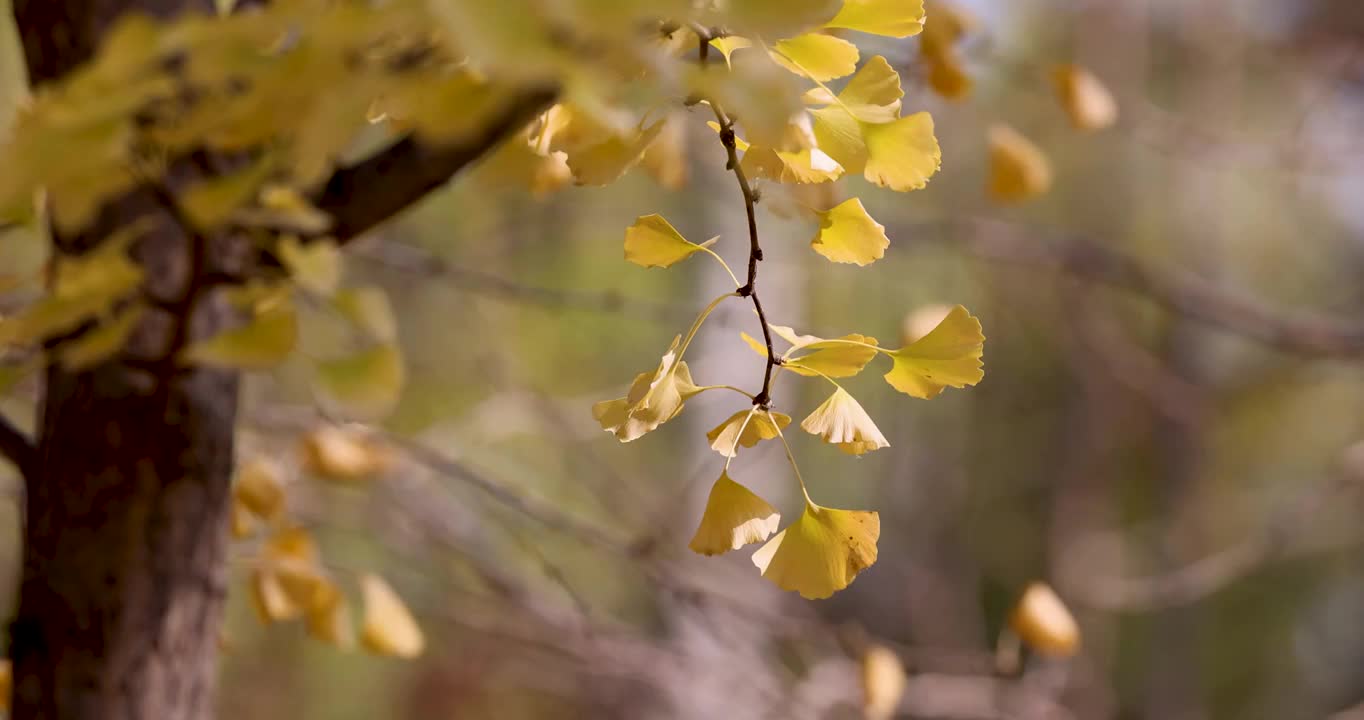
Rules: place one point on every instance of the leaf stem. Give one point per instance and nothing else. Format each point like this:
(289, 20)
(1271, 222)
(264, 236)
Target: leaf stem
(700, 319)
(791, 458)
(724, 265)
(734, 449)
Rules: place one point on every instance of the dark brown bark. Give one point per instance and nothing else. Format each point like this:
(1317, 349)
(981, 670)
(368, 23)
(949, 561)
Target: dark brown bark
(125, 540)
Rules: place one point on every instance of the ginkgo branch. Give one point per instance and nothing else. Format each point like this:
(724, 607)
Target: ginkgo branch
(16, 447)
(755, 251)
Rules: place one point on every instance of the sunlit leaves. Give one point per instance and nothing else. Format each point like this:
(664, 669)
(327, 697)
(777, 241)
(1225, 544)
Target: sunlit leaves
(842, 422)
(1042, 621)
(806, 165)
(745, 429)
(101, 341)
(259, 488)
(1086, 100)
(653, 242)
(368, 309)
(366, 384)
(883, 682)
(1019, 170)
(315, 266)
(734, 517)
(822, 552)
(817, 56)
(893, 18)
(775, 18)
(949, 356)
(874, 94)
(288, 577)
(84, 286)
(328, 618)
(847, 234)
(653, 399)
(902, 155)
(938, 49)
(345, 454)
(388, 627)
(210, 202)
(263, 342)
(813, 356)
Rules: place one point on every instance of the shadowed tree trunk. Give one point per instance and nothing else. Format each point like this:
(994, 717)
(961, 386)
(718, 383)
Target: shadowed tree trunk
(125, 539)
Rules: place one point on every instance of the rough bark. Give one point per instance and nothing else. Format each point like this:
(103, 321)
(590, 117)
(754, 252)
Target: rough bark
(125, 539)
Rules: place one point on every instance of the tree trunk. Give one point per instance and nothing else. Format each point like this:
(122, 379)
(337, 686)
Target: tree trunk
(124, 546)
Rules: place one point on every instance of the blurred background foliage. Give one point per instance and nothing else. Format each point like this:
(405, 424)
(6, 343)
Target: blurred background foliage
(1165, 433)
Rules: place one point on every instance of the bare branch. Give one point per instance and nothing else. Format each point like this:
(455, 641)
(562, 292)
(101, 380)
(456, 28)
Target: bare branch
(360, 196)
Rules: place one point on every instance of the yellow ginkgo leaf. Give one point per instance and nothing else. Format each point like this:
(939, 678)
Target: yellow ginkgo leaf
(653, 242)
(1019, 170)
(100, 342)
(873, 94)
(904, 154)
(1085, 98)
(949, 23)
(666, 157)
(822, 552)
(949, 356)
(365, 385)
(729, 43)
(329, 618)
(272, 604)
(734, 517)
(652, 399)
(369, 310)
(745, 428)
(1042, 621)
(262, 343)
(243, 521)
(892, 18)
(388, 627)
(807, 165)
(315, 265)
(847, 234)
(259, 488)
(817, 56)
(922, 320)
(835, 358)
(948, 77)
(841, 421)
(883, 682)
(344, 454)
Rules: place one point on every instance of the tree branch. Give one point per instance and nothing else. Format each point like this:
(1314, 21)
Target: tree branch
(358, 197)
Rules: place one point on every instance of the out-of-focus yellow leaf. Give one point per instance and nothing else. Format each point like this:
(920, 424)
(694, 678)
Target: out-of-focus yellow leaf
(1044, 623)
(388, 627)
(260, 344)
(774, 18)
(883, 682)
(1019, 170)
(100, 342)
(1085, 98)
(892, 18)
(653, 242)
(343, 454)
(816, 56)
(847, 234)
(948, 77)
(728, 44)
(734, 517)
(949, 356)
(666, 157)
(365, 385)
(260, 488)
(756, 426)
(272, 604)
(210, 202)
(314, 265)
(329, 618)
(368, 309)
(243, 521)
(84, 286)
(842, 422)
(807, 165)
(822, 552)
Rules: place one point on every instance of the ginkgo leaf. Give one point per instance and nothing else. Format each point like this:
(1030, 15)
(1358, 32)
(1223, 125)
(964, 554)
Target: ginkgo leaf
(260, 344)
(822, 552)
(259, 488)
(1044, 622)
(365, 385)
(873, 94)
(84, 286)
(728, 44)
(921, 320)
(1019, 170)
(388, 627)
(734, 517)
(892, 18)
(344, 454)
(807, 165)
(315, 265)
(847, 234)
(271, 602)
(841, 421)
(243, 522)
(883, 682)
(101, 341)
(904, 154)
(836, 358)
(653, 399)
(817, 56)
(948, 77)
(756, 426)
(653, 242)
(949, 356)
(1085, 98)
(666, 157)
(368, 308)
(210, 202)
(329, 618)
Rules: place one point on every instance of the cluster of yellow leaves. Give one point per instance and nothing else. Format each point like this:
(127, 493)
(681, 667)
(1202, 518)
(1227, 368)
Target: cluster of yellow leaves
(288, 579)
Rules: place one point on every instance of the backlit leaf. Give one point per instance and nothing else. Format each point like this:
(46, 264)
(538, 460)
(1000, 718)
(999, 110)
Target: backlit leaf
(329, 618)
(364, 385)
(388, 627)
(904, 154)
(259, 488)
(653, 242)
(344, 454)
(756, 426)
(892, 18)
(817, 56)
(822, 552)
(1042, 621)
(260, 344)
(949, 356)
(1019, 170)
(369, 310)
(847, 234)
(210, 202)
(314, 265)
(734, 517)
(101, 341)
(653, 399)
(883, 682)
(1085, 98)
(841, 421)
